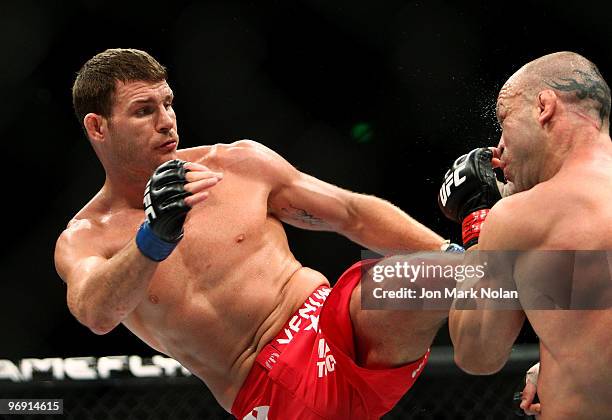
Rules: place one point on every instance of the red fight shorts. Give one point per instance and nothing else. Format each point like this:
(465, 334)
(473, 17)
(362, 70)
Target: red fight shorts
(308, 370)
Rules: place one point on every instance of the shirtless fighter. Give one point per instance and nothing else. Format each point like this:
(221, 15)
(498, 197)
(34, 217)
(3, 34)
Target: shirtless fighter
(209, 279)
(556, 151)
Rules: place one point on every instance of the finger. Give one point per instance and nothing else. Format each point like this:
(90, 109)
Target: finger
(495, 150)
(197, 186)
(192, 176)
(528, 395)
(533, 409)
(194, 166)
(194, 199)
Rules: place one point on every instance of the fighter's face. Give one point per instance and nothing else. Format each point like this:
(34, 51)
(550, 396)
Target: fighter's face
(142, 127)
(518, 147)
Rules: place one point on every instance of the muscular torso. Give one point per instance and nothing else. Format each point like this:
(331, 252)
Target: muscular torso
(573, 210)
(228, 287)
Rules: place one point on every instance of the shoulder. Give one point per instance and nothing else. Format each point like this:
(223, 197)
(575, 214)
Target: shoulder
(515, 222)
(78, 232)
(84, 227)
(251, 158)
(193, 154)
(230, 153)
(243, 157)
(78, 238)
(250, 149)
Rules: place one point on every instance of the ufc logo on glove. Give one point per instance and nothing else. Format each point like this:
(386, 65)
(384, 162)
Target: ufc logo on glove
(452, 178)
(149, 211)
(474, 191)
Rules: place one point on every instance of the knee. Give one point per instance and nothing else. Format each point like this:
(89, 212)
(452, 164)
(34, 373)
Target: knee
(355, 304)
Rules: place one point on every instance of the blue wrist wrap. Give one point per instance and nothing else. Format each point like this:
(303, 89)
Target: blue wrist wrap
(151, 245)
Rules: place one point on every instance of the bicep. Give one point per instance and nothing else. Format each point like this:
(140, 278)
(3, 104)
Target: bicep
(295, 197)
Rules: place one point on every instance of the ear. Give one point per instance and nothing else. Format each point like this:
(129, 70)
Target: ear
(547, 105)
(96, 127)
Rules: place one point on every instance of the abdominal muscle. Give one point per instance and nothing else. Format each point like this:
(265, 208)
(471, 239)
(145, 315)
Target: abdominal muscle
(215, 327)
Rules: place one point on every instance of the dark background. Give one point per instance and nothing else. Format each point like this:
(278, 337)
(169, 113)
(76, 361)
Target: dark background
(375, 96)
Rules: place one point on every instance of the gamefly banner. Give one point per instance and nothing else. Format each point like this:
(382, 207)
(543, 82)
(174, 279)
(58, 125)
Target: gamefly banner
(90, 368)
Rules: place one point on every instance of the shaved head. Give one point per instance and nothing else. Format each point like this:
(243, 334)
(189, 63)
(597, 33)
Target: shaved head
(575, 80)
(545, 109)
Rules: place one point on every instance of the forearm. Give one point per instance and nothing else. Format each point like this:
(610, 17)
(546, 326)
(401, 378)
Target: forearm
(113, 289)
(382, 227)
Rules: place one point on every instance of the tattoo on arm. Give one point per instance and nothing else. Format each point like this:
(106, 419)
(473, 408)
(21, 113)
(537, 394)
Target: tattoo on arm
(592, 86)
(301, 215)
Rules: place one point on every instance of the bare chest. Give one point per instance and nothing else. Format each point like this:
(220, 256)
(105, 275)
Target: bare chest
(235, 212)
(219, 233)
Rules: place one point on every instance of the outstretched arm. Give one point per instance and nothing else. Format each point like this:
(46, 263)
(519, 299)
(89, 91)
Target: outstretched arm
(309, 203)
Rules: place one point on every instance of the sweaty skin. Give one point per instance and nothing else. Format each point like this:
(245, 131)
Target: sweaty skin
(232, 282)
(227, 288)
(559, 157)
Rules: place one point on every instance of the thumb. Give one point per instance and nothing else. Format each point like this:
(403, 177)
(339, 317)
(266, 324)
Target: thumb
(528, 395)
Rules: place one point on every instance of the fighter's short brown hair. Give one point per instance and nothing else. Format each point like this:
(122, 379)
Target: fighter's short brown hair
(94, 86)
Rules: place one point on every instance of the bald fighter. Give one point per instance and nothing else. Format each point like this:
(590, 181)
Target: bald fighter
(205, 274)
(556, 152)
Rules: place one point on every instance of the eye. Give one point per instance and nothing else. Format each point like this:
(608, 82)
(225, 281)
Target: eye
(168, 105)
(141, 112)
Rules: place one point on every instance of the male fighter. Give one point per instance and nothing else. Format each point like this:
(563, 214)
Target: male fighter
(556, 151)
(209, 278)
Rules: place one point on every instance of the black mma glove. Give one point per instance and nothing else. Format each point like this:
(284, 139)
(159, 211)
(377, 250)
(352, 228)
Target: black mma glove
(469, 191)
(165, 210)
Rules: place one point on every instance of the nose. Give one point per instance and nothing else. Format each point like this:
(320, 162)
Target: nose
(165, 120)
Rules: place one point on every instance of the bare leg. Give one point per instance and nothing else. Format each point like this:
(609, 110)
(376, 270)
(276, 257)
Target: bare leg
(391, 338)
